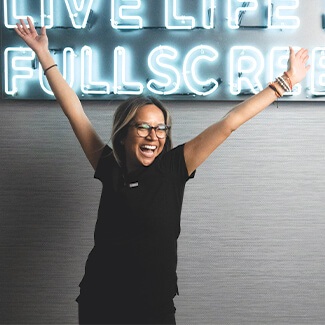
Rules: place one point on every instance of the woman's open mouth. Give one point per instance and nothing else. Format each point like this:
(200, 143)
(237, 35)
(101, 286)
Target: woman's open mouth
(148, 150)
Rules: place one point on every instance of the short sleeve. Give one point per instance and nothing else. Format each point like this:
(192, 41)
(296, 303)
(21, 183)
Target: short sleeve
(174, 162)
(105, 160)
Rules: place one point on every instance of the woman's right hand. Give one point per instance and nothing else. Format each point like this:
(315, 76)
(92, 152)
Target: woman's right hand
(65, 95)
(37, 42)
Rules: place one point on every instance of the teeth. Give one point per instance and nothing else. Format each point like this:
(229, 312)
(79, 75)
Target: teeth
(149, 147)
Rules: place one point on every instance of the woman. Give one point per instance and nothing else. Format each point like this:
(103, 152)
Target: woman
(130, 275)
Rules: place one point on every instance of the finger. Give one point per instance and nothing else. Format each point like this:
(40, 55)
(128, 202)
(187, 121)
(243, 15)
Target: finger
(43, 31)
(24, 29)
(17, 29)
(19, 26)
(298, 53)
(305, 56)
(31, 25)
(291, 54)
(291, 51)
(20, 29)
(305, 52)
(302, 53)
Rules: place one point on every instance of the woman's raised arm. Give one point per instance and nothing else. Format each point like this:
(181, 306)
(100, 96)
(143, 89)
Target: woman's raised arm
(67, 98)
(198, 149)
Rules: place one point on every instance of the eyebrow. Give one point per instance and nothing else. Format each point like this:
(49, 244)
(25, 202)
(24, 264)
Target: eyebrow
(163, 123)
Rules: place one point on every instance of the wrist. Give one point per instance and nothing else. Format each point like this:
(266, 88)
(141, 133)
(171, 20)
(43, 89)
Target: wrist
(275, 86)
(45, 58)
(282, 84)
(42, 53)
(289, 77)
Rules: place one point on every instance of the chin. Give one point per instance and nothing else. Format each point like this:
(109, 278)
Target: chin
(147, 163)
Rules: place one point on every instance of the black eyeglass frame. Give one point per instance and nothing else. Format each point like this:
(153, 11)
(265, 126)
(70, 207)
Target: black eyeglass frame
(148, 128)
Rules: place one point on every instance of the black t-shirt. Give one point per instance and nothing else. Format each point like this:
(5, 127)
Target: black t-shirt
(135, 252)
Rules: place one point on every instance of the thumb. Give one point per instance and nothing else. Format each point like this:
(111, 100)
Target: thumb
(291, 57)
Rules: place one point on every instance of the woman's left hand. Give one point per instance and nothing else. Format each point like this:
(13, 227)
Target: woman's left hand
(297, 65)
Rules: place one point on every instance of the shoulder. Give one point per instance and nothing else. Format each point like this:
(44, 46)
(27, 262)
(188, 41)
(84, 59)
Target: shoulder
(107, 152)
(173, 162)
(173, 155)
(106, 163)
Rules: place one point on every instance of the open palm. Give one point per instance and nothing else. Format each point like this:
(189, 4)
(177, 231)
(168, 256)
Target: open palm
(35, 41)
(297, 64)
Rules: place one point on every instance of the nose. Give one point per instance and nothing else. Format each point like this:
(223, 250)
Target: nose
(152, 134)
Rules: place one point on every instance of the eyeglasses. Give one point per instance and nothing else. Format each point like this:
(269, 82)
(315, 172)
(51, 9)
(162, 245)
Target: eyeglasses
(144, 130)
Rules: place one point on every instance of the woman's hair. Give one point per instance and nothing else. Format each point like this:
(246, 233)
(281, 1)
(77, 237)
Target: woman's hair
(124, 116)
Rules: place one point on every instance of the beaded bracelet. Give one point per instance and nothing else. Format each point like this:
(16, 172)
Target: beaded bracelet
(283, 84)
(47, 69)
(288, 79)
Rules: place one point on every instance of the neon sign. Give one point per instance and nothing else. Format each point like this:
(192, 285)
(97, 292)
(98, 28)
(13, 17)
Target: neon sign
(159, 62)
(190, 70)
(318, 72)
(176, 49)
(120, 18)
(246, 69)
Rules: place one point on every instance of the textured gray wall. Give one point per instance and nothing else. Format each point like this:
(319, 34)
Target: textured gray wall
(252, 247)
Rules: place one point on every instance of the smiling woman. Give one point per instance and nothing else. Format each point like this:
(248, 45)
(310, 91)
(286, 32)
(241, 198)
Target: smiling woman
(125, 118)
(143, 150)
(141, 246)
(130, 275)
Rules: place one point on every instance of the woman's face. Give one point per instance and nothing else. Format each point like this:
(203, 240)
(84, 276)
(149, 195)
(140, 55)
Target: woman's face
(142, 151)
